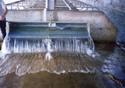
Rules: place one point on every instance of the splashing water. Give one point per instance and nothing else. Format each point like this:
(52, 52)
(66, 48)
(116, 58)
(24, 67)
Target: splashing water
(57, 55)
(46, 45)
(23, 64)
(52, 55)
(49, 49)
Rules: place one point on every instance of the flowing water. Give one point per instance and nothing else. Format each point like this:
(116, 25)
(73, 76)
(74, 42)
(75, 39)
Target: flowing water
(58, 56)
(46, 45)
(65, 70)
(61, 63)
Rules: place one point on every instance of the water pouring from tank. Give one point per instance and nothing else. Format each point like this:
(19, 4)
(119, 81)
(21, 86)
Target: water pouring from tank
(49, 44)
(52, 47)
(48, 37)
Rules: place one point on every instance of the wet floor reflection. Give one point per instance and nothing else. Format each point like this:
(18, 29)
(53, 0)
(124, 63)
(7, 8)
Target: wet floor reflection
(50, 80)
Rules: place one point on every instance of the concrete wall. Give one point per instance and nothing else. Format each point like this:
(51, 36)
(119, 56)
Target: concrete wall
(101, 28)
(115, 11)
(25, 15)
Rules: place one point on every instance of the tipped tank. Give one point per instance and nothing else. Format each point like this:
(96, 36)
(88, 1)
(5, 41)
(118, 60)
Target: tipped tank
(47, 30)
(47, 37)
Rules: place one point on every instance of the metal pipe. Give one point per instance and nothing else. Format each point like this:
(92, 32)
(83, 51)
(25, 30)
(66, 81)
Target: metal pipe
(50, 4)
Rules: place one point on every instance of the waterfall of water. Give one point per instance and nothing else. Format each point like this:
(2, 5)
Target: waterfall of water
(46, 45)
(33, 55)
(59, 55)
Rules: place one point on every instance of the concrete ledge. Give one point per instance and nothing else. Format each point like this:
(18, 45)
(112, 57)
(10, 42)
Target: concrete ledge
(101, 27)
(25, 15)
